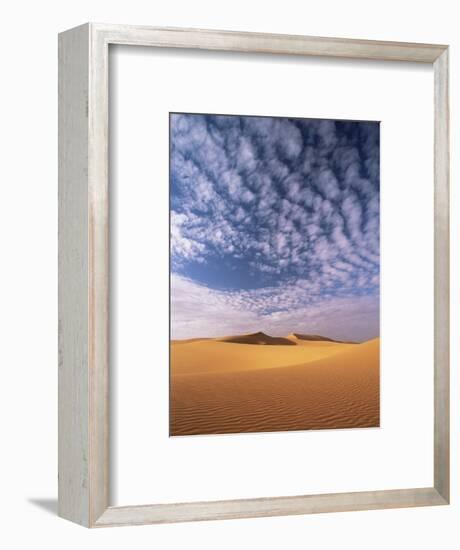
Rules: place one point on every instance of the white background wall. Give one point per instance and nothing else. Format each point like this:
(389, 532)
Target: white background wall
(28, 253)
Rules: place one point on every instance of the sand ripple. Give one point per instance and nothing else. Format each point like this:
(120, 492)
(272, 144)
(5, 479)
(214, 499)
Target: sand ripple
(339, 389)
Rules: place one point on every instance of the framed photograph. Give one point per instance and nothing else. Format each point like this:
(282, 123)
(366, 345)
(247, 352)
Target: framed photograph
(274, 225)
(253, 275)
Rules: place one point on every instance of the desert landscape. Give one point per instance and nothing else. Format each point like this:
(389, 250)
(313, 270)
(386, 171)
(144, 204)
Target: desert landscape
(275, 241)
(260, 383)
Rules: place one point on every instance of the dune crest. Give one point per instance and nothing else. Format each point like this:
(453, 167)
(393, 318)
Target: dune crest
(257, 338)
(262, 338)
(316, 338)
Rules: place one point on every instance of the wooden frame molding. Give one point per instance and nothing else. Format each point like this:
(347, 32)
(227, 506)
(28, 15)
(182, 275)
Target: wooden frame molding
(84, 274)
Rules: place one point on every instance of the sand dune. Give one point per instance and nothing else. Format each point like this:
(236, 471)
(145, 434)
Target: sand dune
(223, 386)
(217, 356)
(257, 338)
(314, 338)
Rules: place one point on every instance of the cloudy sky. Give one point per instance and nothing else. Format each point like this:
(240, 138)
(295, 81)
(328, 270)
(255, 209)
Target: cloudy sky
(274, 226)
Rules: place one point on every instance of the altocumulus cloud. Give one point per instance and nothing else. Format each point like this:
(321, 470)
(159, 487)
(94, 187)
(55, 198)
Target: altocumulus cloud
(274, 226)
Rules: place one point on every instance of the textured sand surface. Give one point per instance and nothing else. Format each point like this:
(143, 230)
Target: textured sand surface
(219, 386)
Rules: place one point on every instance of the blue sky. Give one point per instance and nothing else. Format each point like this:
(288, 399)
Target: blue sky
(274, 226)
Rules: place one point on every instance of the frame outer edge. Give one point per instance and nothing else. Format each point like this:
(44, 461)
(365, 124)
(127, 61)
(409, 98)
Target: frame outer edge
(441, 278)
(253, 42)
(268, 507)
(73, 379)
(99, 272)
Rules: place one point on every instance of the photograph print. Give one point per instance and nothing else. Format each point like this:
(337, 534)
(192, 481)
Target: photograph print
(274, 274)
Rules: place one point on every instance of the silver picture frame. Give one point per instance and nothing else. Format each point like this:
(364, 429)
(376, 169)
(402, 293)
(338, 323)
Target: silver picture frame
(84, 461)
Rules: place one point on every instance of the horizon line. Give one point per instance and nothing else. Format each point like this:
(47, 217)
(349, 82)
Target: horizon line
(318, 336)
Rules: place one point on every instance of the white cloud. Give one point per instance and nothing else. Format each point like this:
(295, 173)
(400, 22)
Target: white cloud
(182, 246)
(198, 311)
(297, 201)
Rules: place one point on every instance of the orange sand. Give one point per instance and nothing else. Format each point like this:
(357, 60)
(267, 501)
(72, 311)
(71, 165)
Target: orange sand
(219, 386)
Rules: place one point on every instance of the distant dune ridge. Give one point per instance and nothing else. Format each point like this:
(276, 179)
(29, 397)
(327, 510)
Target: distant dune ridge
(316, 338)
(297, 382)
(257, 338)
(264, 339)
